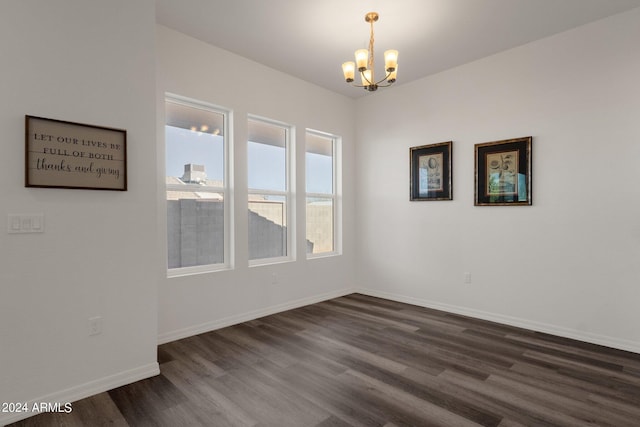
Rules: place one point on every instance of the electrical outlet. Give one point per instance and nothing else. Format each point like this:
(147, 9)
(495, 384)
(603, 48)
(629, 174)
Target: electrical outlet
(95, 325)
(467, 277)
(274, 279)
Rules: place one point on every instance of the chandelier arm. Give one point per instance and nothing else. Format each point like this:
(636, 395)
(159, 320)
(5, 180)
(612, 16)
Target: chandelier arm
(385, 78)
(364, 77)
(374, 84)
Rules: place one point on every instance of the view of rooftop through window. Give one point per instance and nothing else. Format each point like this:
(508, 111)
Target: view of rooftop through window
(185, 146)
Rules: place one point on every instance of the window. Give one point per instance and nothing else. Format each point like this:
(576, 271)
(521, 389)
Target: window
(269, 174)
(322, 188)
(197, 147)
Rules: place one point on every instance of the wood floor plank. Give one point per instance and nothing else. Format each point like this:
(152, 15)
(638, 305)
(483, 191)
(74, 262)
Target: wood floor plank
(577, 406)
(523, 406)
(326, 391)
(143, 402)
(208, 404)
(405, 408)
(425, 392)
(366, 362)
(628, 360)
(288, 402)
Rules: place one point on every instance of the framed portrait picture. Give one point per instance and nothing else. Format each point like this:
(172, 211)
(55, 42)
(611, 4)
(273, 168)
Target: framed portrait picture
(503, 172)
(430, 167)
(65, 154)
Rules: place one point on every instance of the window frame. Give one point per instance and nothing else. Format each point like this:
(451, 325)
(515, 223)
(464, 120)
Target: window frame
(335, 196)
(288, 193)
(225, 190)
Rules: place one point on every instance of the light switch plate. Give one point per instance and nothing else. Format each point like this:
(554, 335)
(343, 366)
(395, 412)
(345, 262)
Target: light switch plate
(25, 223)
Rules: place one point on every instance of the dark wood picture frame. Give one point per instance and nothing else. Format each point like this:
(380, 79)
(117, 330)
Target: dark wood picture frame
(430, 172)
(62, 154)
(503, 173)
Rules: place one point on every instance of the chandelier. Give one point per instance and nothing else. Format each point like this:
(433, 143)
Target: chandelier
(365, 63)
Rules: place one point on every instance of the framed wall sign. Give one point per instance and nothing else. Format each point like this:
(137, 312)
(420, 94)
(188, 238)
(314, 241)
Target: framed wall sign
(72, 155)
(503, 172)
(430, 167)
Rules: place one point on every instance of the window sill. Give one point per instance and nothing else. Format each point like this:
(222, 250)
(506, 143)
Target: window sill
(200, 269)
(323, 255)
(270, 261)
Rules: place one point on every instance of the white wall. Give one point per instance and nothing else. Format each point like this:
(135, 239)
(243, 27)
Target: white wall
(197, 303)
(88, 62)
(569, 264)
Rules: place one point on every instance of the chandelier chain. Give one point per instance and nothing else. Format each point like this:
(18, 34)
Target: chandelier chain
(371, 61)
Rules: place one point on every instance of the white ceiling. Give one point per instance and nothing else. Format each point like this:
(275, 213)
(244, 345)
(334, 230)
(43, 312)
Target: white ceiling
(310, 39)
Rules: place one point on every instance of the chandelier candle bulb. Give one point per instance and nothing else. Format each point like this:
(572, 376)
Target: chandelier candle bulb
(349, 70)
(390, 60)
(366, 77)
(362, 56)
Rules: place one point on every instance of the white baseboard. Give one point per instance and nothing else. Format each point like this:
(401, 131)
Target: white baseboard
(85, 390)
(251, 315)
(509, 320)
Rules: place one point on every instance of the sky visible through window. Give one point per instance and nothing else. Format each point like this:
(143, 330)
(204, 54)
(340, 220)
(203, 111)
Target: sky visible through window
(185, 146)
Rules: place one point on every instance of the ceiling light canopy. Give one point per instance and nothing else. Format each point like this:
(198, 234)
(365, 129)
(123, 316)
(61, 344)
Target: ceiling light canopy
(365, 63)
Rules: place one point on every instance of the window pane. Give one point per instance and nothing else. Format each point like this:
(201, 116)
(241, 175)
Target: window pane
(319, 164)
(267, 156)
(322, 203)
(195, 162)
(194, 137)
(320, 233)
(195, 225)
(268, 151)
(267, 226)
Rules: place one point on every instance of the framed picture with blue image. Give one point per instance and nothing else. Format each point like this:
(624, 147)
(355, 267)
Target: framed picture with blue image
(503, 173)
(430, 172)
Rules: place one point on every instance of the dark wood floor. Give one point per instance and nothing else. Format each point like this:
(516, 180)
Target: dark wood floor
(362, 361)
